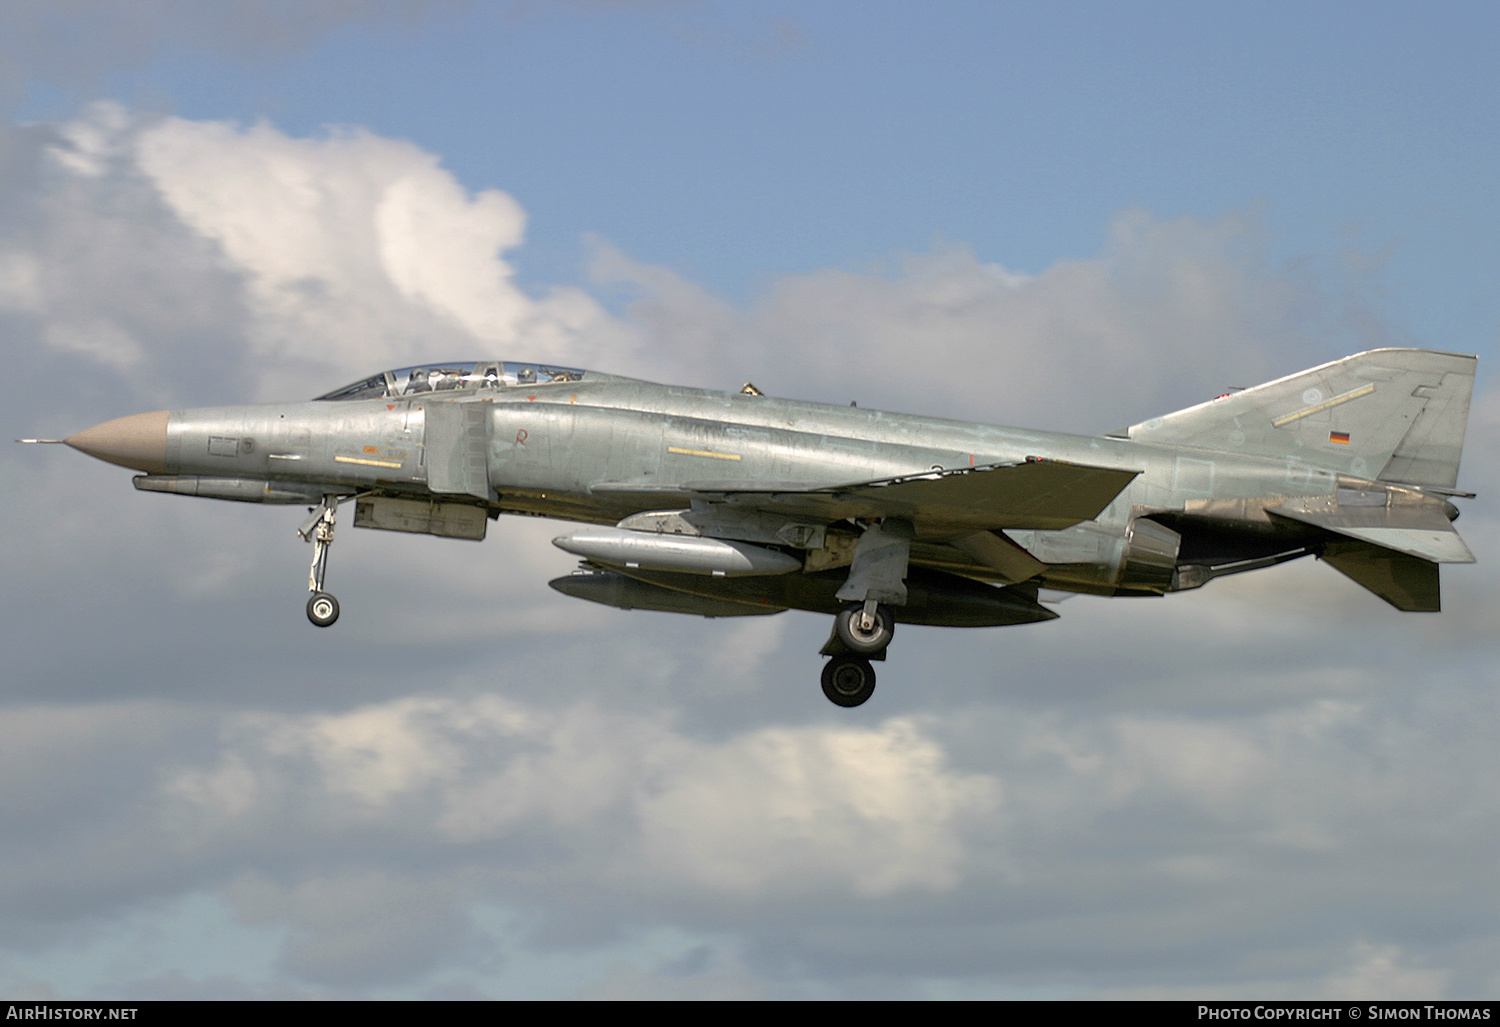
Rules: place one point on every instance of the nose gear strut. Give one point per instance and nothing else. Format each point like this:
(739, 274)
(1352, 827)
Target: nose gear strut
(322, 608)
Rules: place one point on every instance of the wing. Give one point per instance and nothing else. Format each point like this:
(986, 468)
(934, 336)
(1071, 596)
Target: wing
(1038, 494)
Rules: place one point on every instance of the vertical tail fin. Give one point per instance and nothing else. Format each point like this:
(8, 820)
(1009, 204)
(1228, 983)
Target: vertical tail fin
(1394, 415)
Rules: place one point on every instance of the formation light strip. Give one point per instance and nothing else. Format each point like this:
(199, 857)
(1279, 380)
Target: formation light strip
(1335, 401)
(703, 452)
(366, 463)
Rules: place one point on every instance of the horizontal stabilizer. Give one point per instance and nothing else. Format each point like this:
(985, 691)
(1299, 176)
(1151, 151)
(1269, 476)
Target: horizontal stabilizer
(1425, 534)
(1406, 582)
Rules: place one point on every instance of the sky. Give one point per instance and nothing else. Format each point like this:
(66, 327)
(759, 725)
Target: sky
(1063, 216)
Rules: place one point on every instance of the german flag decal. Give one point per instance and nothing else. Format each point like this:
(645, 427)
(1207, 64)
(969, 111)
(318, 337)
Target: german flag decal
(1341, 437)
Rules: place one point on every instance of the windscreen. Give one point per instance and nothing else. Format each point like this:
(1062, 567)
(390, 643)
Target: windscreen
(423, 378)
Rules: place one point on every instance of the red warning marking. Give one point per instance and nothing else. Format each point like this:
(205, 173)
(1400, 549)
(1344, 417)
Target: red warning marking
(521, 437)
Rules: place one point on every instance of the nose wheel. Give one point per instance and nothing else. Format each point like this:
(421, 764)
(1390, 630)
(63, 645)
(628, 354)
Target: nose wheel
(322, 608)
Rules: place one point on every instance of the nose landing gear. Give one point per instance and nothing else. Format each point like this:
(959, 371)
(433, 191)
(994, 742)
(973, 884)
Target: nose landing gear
(322, 608)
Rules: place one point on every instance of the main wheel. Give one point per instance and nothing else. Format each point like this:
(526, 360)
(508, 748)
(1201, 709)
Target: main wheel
(848, 680)
(322, 609)
(864, 640)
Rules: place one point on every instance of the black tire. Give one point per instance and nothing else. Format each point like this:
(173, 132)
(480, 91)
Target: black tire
(322, 609)
(848, 680)
(846, 624)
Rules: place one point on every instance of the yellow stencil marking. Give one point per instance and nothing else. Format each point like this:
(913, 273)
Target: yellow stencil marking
(366, 463)
(703, 452)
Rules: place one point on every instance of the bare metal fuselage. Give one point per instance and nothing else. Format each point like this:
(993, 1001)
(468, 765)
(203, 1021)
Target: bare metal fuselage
(547, 453)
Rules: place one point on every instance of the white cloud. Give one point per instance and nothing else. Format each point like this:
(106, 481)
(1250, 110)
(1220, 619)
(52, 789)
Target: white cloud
(299, 263)
(1170, 314)
(359, 252)
(875, 811)
(370, 832)
(777, 809)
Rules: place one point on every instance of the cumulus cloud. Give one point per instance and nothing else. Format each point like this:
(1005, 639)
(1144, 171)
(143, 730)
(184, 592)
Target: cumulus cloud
(357, 249)
(875, 812)
(280, 256)
(96, 270)
(776, 810)
(1124, 840)
(339, 254)
(1171, 313)
(465, 786)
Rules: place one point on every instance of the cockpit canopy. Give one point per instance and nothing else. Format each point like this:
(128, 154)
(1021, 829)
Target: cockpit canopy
(493, 374)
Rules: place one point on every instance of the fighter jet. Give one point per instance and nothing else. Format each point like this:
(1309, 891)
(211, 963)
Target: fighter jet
(727, 504)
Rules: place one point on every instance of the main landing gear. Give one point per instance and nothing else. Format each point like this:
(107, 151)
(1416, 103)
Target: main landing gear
(848, 680)
(865, 625)
(322, 608)
(861, 632)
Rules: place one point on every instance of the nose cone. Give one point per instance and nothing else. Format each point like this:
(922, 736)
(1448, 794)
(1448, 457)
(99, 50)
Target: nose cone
(138, 441)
